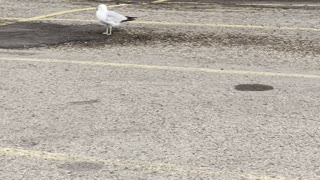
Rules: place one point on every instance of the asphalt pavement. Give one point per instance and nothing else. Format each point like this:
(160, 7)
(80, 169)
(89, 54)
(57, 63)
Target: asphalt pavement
(223, 90)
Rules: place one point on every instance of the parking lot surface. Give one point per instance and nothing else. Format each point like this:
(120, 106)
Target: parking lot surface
(190, 90)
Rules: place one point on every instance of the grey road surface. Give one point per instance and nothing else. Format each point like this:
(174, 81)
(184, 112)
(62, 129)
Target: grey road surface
(234, 97)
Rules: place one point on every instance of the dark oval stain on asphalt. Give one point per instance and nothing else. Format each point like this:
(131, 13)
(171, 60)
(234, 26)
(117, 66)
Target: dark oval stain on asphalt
(85, 102)
(253, 87)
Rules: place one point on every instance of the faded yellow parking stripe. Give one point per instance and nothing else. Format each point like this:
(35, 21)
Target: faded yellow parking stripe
(56, 14)
(133, 165)
(281, 5)
(67, 12)
(171, 68)
(142, 166)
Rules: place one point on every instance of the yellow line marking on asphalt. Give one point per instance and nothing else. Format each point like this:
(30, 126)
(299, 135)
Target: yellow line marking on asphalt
(5, 24)
(160, 1)
(226, 26)
(142, 166)
(131, 165)
(253, 177)
(188, 24)
(67, 12)
(9, 18)
(193, 3)
(57, 14)
(282, 5)
(171, 68)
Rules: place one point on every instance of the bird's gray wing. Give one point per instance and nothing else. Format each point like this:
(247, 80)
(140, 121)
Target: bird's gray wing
(115, 17)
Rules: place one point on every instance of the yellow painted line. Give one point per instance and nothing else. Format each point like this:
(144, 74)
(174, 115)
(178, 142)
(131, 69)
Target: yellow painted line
(283, 5)
(160, 1)
(47, 16)
(67, 12)
(57, 14)
(171, 68)
(254, 177)
(227, 26)
(195, 3)
(189, 24)
(142, 166)
(131, 165)
(71, 11)
(9, 18)
(5, 24)
(71, 20)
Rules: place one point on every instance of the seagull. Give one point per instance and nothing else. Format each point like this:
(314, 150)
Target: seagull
(110, 18)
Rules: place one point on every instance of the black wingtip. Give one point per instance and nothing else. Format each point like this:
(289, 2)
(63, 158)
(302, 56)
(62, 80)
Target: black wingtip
(129, 19)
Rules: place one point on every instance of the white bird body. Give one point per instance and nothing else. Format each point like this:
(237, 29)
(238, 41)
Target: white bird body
(110, 18)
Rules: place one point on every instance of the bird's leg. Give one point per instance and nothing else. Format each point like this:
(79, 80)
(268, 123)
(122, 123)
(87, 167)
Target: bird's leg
(110, 31)
(107, 32)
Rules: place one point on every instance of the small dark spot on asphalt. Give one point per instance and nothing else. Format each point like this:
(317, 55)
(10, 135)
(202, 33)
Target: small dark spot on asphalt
(253, 87)
(85, 102)
(33, 143)
(29, 142)
(81, 166)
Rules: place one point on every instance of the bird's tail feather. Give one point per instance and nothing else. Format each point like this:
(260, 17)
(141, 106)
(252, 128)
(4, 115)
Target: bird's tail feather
(129, 19)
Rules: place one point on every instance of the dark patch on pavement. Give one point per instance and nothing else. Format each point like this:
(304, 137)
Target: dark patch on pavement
(25, 142)
(85, 102)
(28, 35)
(253, 87)
(80, 166)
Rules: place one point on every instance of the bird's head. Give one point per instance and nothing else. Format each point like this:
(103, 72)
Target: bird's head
(102, 7)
